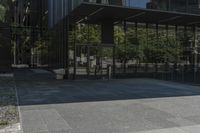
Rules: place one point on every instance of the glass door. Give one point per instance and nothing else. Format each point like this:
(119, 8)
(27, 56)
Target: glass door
(99, 60)
(81, 60)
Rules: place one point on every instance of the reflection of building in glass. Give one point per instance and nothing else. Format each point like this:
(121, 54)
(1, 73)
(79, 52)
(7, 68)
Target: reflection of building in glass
(29, 21)
(83, 57)
(72, 25)
(61, 8)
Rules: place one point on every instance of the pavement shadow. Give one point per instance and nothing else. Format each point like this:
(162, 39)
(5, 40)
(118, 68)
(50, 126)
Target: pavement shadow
(38, 88)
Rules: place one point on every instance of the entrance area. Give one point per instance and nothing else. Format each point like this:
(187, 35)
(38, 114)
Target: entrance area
(93, 61)
(166, 48)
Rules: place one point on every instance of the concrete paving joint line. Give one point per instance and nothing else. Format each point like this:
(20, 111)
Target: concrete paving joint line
(18, 107)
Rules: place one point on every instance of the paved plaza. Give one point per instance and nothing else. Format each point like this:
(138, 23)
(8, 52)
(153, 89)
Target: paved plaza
(101, 106)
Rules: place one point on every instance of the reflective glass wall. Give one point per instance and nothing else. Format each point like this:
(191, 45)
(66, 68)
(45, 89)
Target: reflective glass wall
(57, 10)
(190, 6)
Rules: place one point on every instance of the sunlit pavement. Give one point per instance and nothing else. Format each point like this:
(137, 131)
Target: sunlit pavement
(15, 128)
(117, 106)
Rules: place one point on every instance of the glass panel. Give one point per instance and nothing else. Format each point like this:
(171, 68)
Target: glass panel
(160, 4)
(81, 60)
(179, 5)
(191, 6)
(94, 61)
(138, 3)
(106, 59)
(194, 6)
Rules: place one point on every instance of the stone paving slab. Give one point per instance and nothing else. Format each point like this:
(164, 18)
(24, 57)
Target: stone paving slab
(15, 128)
(116, 106)
(169, 130)
(44, 121)
(9, 116)
(191, 129)
(185, 129)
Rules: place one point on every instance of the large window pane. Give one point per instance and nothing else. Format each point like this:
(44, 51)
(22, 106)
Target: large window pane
(137, 3)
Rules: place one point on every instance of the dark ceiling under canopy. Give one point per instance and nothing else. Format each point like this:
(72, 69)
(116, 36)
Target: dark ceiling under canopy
(98, 13)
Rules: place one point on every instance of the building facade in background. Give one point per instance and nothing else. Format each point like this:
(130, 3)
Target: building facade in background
(59, 25)
(29, 22)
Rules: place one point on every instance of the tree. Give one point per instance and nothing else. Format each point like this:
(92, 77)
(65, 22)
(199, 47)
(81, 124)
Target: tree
(87, 34)
(126, 45)
(145, 47)
(5, 10)
(2, 13)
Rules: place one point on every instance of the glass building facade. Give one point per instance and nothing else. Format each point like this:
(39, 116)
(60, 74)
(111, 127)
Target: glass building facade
(58, 9)
(86, 58)
(189, 6)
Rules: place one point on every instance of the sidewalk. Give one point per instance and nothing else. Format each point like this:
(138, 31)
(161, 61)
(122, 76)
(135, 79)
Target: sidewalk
(116, 106)
(9, 119)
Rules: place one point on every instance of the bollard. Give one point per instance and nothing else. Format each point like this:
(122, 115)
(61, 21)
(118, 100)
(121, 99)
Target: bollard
(95, 72)
(109, 71)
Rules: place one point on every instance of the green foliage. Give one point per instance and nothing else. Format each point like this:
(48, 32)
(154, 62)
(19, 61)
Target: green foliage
(87, 34)
(42, 48)
(3, 123)
(2, 13)
(41, 44)
(148, 48)
(141, 46)
(126, 45)
(5, 10)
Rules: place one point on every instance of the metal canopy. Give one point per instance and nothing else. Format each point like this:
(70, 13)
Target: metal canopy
(97, 13)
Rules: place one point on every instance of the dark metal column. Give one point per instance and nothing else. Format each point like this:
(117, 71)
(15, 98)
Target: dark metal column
(184, 67)
(195, 52)
(166, 58)
(176, 39)
(114, 59)
(147, 45)
(67, 48)
(177, 54)
(157, 40)
(136, 35)
(114, 56)
(125, 42)
(147, 37)
(167, 36)
(88, 50)
(75, 66)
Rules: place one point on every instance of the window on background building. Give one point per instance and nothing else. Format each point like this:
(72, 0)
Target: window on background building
(160, 4)
(138, 3)
(178, 5)
(95, 1)
(193, 2)
(111, 2)
(199, 3)
(193, 6)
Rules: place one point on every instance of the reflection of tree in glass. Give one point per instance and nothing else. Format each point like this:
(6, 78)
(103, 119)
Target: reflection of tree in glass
(5, 10)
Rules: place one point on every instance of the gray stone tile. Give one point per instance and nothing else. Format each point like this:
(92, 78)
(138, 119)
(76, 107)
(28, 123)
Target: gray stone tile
(164, 123)
(168, 130)
(194, 118)
(181, 121)
(44, 121)
(32, 121)
(54, 121)
(191, 129)
(116, 106)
